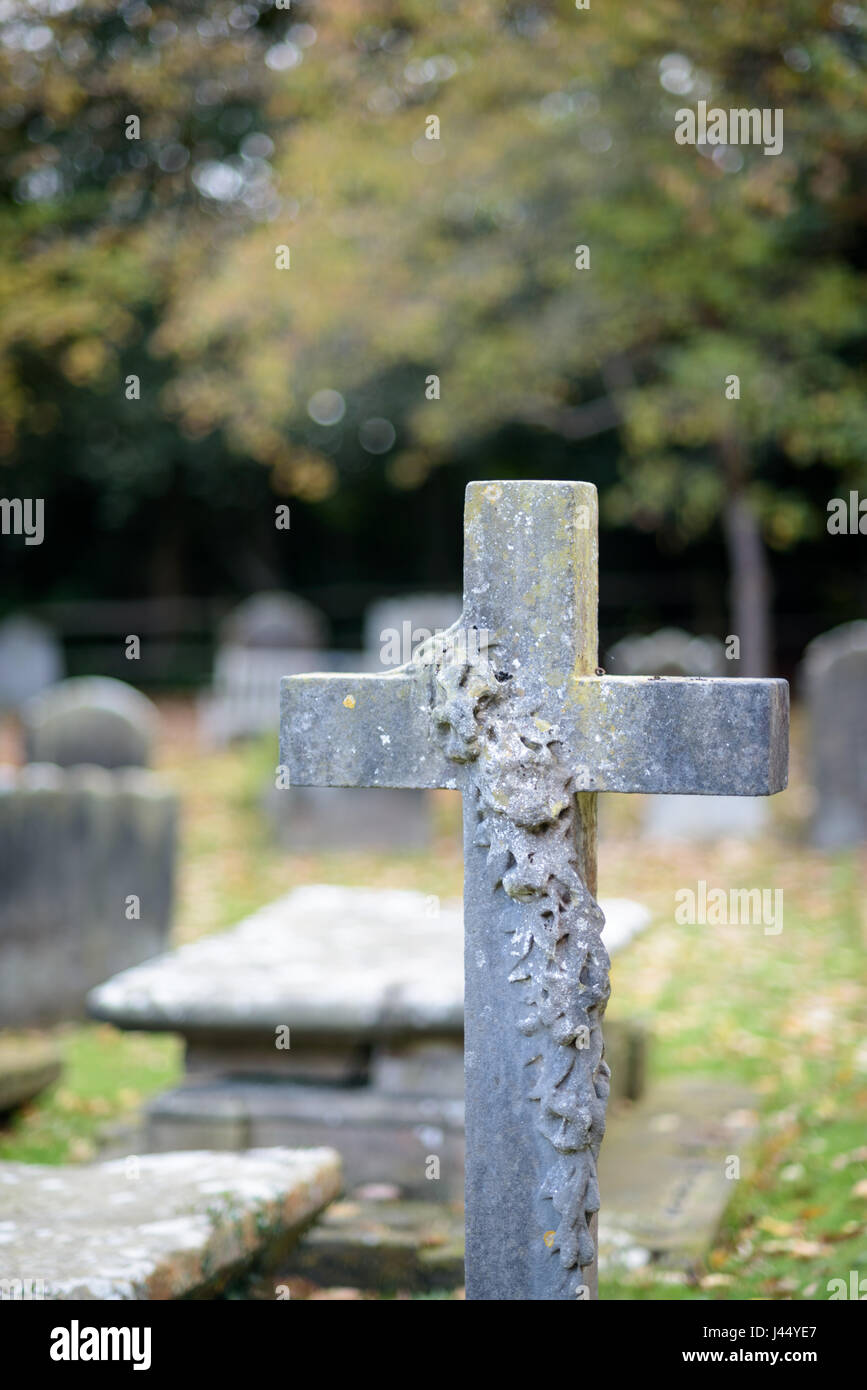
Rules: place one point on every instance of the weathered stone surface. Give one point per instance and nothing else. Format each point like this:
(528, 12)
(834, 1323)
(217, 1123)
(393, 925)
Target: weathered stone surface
(76, 844)
(363, 818)
(834, 679)
(376, 1057)
(29, 1063)
(519, 722)
(400, 972)
(672, 652)
(380, 1136)
(412, 1245)
(618, 733)
(403, 1107)
(157, 1226)
(31, 660)
(90, 719)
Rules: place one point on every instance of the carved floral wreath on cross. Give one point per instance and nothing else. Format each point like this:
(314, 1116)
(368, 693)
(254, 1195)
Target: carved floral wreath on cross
(528, 822)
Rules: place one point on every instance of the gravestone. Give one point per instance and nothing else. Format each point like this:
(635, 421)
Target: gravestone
(86, 874)
(834, 681)
(274, 622)
(31, 659)
(672, 652)
(668, 652)
(259, 641)
(522, 727)
(373, 1054)
(155, 1226)
(404, 622)
(90, 719)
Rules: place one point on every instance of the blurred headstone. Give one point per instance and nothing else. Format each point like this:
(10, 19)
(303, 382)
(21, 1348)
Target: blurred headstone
(668, 652)
(260, 640)
(673, 652)
(90, 719)
(394, 627)
(370, 1055)
(834, 680)
(86, 874)
(274, 622)
(31, 659)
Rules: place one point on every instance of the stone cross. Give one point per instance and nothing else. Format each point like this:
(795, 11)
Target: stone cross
(508, 706)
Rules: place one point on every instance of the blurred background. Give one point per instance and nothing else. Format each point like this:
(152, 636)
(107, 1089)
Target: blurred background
(163, 385)
(340, 259)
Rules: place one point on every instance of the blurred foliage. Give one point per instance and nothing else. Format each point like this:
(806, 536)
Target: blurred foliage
(263, 127)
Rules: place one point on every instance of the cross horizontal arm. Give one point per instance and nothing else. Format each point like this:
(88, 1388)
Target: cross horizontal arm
(341, 730)
(688, 734)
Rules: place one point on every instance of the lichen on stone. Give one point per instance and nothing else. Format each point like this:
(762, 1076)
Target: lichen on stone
(529, 822)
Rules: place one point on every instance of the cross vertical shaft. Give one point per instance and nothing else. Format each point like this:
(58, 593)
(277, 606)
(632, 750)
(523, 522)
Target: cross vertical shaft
(530, 860)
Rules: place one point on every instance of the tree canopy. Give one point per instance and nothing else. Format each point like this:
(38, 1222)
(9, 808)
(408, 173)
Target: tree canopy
(457, 257)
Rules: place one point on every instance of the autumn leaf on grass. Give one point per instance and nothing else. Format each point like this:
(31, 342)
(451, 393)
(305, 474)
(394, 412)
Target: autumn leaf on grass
(775, 1227)
(800, 1249)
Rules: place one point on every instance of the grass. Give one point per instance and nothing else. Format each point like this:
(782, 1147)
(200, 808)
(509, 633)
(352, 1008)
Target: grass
(106, 1076)
(783, 1014)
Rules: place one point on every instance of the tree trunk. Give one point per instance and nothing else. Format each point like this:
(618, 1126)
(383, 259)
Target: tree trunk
(749, 574)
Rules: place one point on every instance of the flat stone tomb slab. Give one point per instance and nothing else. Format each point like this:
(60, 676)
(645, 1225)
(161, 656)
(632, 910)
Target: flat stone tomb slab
(400, 974)
(157, 1226)
(375, 1062)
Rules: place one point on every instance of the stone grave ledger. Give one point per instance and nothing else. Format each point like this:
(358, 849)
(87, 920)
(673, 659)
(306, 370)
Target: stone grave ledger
(673, 652)
(86, 871)
(331, 1014)
(834, 679)
(155, 1226)
(521, 725)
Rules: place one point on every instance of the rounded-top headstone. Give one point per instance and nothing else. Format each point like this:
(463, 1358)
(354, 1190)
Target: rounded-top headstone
(90, 719)
(274, 620)
(426, 613)
(834, 680)
(31, 660)
(668, 652)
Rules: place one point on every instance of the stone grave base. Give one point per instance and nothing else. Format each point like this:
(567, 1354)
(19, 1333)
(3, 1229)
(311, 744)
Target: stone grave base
(160, 1226)
(307, 819)
(418, 1246)
(379, 1137)
(664, 1192)
(387, 1112)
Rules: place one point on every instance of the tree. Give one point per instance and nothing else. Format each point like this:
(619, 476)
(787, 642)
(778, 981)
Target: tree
(460, 256)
